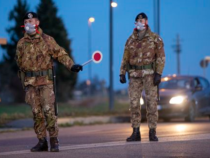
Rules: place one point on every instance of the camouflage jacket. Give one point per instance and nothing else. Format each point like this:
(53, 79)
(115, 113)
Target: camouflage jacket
(36, 53)
(143, 52)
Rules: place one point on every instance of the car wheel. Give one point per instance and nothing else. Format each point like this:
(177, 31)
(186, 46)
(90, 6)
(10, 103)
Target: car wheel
(191, 114)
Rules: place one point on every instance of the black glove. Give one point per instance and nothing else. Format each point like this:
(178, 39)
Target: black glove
(76, 68)
(122, 79)
(157, 79)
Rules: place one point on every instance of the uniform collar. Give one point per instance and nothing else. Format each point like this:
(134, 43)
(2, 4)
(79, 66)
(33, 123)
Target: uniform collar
(36, 36)
(147, 34)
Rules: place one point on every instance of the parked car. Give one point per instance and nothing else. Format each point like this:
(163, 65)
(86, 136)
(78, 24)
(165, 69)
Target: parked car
(182, 97)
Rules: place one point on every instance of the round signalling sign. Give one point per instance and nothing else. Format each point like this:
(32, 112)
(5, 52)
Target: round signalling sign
(97, 57)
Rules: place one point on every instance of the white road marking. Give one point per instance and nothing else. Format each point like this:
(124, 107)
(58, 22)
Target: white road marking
(119, 143)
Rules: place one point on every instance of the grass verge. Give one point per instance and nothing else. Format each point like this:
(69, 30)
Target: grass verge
(11, 112)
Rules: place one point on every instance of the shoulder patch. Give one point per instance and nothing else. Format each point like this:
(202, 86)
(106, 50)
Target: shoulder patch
(159, 38)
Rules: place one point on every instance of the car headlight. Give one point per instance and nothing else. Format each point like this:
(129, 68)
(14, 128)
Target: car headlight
(177, 100)
(141, 101)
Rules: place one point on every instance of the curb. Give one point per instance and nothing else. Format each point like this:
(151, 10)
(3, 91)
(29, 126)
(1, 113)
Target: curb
(66, 122)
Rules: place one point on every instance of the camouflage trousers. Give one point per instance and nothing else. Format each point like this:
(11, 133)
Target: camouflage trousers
(136, 86)
(41, 99)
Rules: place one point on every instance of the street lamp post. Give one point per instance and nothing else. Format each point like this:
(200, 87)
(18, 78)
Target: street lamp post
(90, 21)
(157, 16)
(111, 94)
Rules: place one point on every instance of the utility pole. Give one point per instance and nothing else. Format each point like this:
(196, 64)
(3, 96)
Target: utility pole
(157, 16)
(178, 51)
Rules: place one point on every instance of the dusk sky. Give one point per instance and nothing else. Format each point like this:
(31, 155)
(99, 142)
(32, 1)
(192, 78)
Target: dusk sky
(188, 18)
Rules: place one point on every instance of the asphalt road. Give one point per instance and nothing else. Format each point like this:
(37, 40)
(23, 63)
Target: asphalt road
(176, 139)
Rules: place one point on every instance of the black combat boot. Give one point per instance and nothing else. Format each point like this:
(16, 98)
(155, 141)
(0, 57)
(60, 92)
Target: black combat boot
(41, 146)
(54, 144)
(152, 135)
(135, 135)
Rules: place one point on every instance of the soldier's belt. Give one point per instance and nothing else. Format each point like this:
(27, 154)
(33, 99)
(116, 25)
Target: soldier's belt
(39, 73)
(143, 67)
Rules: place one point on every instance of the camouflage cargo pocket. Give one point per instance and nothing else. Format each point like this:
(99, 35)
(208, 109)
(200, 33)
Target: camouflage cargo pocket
(47, 94)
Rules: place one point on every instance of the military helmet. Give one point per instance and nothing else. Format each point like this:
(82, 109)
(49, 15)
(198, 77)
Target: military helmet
(141, 16)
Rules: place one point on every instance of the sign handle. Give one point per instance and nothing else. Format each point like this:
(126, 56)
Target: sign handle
(87, 62)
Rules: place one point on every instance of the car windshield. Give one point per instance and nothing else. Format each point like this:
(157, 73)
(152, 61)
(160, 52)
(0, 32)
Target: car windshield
(174, 83)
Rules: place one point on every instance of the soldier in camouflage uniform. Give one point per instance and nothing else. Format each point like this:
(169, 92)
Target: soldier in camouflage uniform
(144, 60)
(34, 55)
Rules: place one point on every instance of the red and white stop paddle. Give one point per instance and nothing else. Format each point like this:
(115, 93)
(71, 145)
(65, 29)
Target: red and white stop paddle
(96, 58)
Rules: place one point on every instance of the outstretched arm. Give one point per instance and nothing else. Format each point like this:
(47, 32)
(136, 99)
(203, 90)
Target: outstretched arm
(61, 55)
